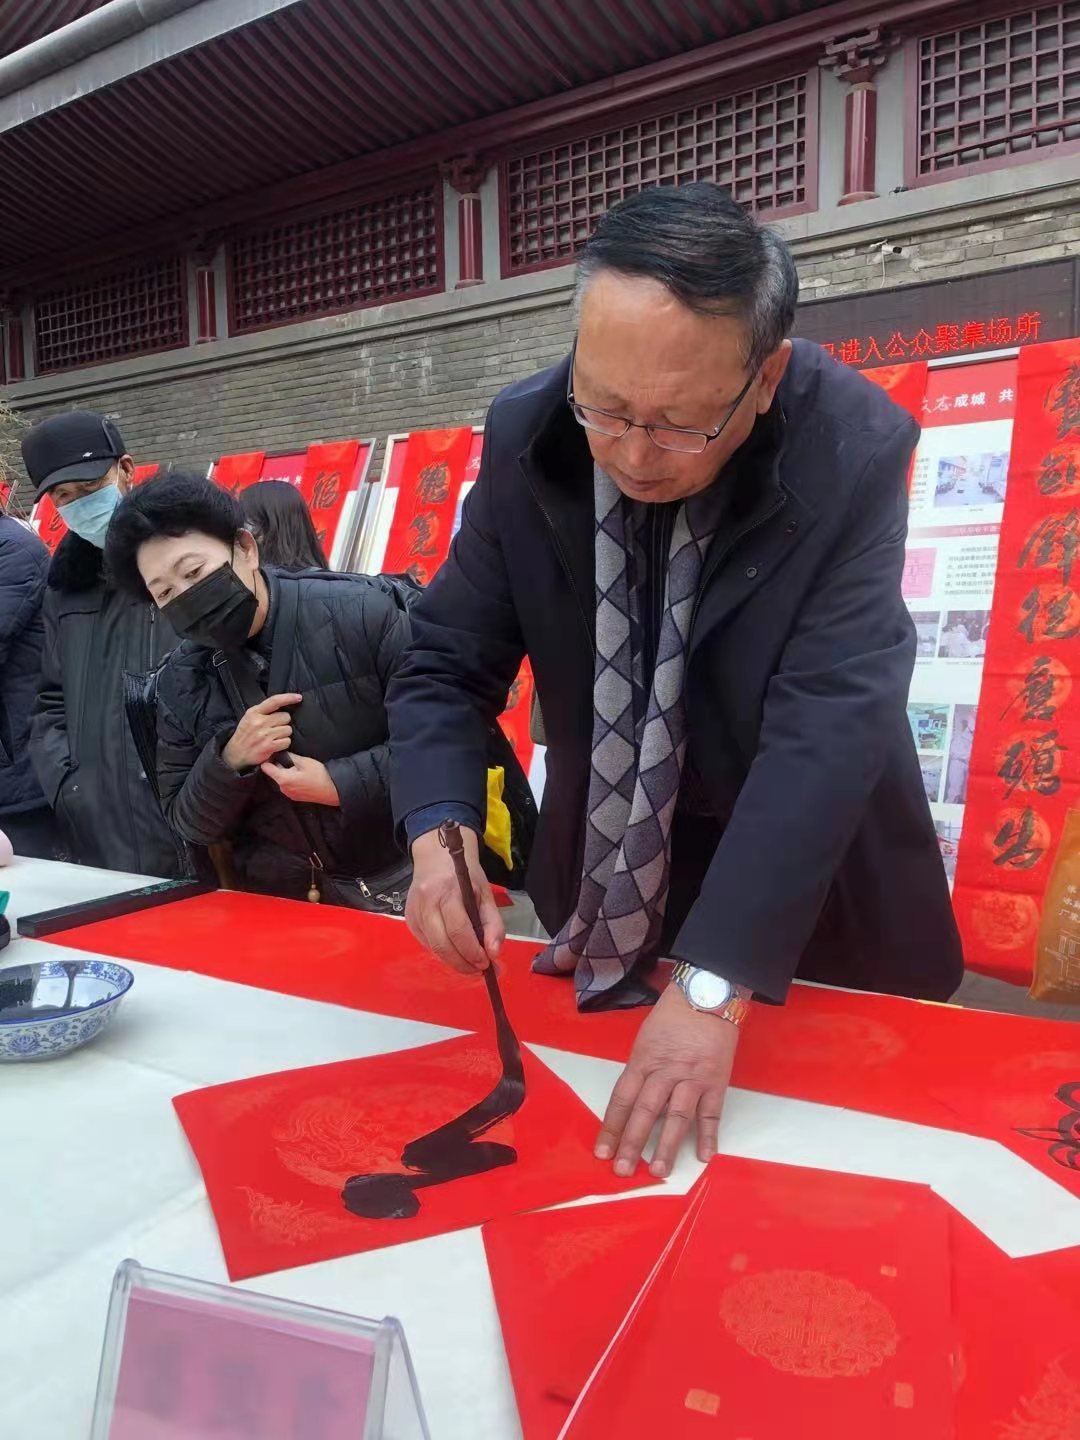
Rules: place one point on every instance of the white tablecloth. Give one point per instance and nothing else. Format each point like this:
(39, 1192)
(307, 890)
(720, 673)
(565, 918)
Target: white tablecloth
(95, 1169)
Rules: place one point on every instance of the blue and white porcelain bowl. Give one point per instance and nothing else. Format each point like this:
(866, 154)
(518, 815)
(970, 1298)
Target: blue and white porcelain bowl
(52, 1008)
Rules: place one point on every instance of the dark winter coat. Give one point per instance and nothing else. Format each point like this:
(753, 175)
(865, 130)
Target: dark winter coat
(804, 842)
(24, 562)
(81, 746)
(334, 639)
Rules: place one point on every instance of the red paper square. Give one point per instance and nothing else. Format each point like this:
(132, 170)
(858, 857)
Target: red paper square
(563, 1281)
(1019, 1365)
(275, 1151)
(793, 1293)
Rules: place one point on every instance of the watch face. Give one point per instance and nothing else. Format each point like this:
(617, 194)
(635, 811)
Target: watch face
(707, 991)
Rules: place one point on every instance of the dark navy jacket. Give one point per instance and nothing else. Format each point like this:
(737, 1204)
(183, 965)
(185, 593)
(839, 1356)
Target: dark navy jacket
(807, 845)
(24, 563)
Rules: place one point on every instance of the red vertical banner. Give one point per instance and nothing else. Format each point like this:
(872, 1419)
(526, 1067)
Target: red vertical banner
(46, 520)
(1025, 762)
(324, 484)
(905, 386)
(431, 481)
(233, 472)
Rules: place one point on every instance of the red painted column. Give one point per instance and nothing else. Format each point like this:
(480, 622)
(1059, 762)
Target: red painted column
(470, 242)
(16, 353)
(466, 174)
(206, 299)
(856, 58)
(860, 142)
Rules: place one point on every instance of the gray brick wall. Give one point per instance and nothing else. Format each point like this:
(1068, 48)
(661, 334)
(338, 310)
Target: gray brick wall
(445, 375)
(406, 377)
(1023, 231)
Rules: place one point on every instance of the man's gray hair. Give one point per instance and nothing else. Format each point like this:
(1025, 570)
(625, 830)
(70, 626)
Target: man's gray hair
(708, 251)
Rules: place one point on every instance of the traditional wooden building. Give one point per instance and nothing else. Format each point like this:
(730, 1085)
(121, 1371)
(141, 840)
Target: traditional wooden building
(249, 224)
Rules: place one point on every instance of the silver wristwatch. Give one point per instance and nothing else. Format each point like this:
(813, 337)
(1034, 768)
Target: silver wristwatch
(711, 993)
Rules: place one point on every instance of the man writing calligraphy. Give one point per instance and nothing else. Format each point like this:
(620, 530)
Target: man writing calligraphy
(694, 527)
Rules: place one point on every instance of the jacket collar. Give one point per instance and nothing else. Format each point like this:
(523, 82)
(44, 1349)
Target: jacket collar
(77, 565)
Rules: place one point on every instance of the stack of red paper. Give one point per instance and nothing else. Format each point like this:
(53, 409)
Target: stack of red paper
(778, 1302)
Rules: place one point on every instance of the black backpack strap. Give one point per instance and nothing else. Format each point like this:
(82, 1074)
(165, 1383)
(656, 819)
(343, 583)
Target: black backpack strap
(285, 611)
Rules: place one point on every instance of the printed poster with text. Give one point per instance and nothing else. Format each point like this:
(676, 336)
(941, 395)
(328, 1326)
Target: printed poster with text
(958, 492)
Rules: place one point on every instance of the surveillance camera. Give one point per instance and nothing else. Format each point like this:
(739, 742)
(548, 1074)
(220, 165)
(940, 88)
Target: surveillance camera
(893, 251)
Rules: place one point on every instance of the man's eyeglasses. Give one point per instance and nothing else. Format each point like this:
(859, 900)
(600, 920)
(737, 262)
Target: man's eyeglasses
(664, 437)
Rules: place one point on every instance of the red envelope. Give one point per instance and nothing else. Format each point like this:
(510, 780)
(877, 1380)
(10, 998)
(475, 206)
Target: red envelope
(797, 1293)
(275, 1151)
(1019, 1365)
(563, 1281)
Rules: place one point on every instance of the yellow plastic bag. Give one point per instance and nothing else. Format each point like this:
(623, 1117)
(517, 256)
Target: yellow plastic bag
(497, 834)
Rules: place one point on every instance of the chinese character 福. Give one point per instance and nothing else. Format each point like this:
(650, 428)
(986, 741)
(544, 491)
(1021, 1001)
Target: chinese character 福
(326, 489)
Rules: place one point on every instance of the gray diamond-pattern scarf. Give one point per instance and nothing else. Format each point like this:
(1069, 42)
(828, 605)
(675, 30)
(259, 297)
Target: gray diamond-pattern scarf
(637, 760)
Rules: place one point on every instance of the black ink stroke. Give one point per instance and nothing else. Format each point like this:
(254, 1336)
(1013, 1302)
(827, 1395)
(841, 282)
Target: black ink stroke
(1063, 1138)
(451, 1151)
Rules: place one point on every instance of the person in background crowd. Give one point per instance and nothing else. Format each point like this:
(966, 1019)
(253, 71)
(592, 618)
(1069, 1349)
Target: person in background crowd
(81, 745)
(694, 527)
(276, 514)
(271, 665)
(24, 814)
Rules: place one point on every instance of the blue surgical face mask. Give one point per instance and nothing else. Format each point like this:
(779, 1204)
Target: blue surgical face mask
(89, 516)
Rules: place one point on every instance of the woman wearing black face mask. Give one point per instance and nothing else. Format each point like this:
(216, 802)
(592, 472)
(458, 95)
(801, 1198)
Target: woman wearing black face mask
(271, 724)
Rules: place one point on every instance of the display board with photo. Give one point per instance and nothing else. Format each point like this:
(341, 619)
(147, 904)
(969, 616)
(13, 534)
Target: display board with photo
(958, 488)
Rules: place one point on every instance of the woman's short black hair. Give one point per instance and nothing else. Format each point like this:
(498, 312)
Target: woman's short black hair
(173, 503)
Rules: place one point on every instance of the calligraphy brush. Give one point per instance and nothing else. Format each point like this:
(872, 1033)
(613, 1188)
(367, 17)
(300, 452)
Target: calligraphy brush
(451, 1152)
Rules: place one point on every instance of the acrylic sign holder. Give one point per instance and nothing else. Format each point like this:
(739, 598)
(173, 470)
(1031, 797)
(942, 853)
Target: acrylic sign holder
(188, 1360)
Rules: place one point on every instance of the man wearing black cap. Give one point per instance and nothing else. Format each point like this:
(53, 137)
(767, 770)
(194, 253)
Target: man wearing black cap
(81, 745)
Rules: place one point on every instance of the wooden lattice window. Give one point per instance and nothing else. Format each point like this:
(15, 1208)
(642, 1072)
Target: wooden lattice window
(131, 312)
(758, 143)
(377, 250)
(992, 91)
